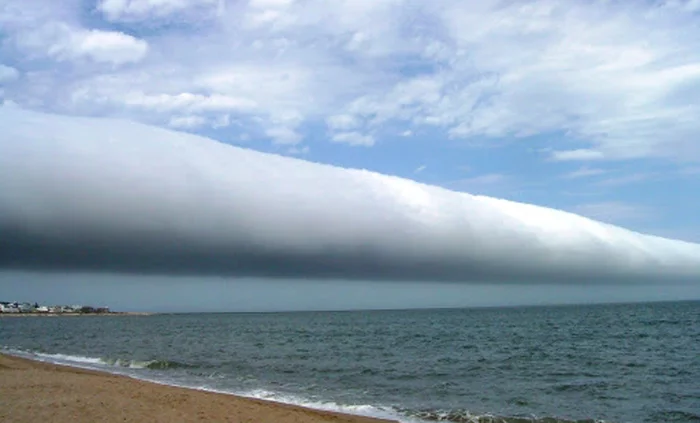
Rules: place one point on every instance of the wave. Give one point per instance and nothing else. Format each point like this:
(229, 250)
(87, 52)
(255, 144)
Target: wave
(148, 364)
(464, 416)
(59, 358)
(366, 410)
(375, 411)
(405, 415)
(96, 362)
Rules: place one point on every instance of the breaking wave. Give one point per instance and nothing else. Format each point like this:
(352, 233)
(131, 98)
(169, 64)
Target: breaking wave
(149, 364)
(96, 362)
(366, 410)
(464, 416)
(405, 415)
(113, 365)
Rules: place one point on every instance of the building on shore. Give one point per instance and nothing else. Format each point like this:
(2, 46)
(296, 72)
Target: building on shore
(24, 307)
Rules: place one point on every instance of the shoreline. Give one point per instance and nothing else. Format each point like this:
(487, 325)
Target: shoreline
(32, 390)
(116, 313)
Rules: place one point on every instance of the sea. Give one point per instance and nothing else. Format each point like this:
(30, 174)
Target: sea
(622, 363)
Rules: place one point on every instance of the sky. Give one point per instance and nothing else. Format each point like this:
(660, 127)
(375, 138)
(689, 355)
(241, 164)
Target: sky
(583, 107)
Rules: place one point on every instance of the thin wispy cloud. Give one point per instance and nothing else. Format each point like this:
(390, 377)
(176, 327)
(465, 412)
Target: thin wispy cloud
(585, 172)
(577, 155)
(620, 180)
(130, 11)
(353, 138)
(190, 205)
(489, 179)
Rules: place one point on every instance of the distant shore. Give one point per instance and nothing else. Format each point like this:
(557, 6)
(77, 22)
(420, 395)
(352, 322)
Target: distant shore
(42, 392)
(111, 313)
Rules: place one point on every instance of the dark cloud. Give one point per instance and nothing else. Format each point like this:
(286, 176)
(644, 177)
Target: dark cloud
(104, 195)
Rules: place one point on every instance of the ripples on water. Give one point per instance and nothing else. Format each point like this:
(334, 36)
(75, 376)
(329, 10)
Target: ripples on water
(613, 363)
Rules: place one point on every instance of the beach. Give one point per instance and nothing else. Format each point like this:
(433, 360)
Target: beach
(37, 391)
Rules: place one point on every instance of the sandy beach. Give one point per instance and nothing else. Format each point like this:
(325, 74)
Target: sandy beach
(36, 391)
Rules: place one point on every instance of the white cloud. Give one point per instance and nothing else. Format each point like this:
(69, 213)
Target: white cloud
(342, 122)
(353, 138)
(420, 169)
(524, 69)
(281, 135)
(64, 42)
(221, 121)
(474, 70)
(186, 122)
(487, 179)
(137, 10)
(100, 46)
(190, 205)
(8, 73)
(573, 155)
(584, 172)
(186, 101)
(684, 5)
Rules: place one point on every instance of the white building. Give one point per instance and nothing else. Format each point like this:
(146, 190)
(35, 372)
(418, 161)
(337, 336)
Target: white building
(25, 308)
(8, 308)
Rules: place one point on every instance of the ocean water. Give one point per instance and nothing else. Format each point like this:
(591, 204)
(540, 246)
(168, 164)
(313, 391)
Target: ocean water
(614, 363)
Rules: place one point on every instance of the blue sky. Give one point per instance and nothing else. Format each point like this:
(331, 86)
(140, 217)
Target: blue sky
(586, 106)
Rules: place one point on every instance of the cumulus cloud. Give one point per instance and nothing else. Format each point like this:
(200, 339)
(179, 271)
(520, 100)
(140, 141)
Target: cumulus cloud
(471, 69)
(101, 46)
(111, 195)
(63, 42)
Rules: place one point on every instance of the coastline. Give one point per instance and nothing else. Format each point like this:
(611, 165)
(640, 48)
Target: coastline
(125, 313)
(38, 391)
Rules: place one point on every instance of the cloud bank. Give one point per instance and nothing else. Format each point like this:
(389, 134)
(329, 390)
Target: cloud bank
(92, 194)
(612, 80)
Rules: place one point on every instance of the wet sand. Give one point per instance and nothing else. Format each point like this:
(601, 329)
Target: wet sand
(34, 391)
